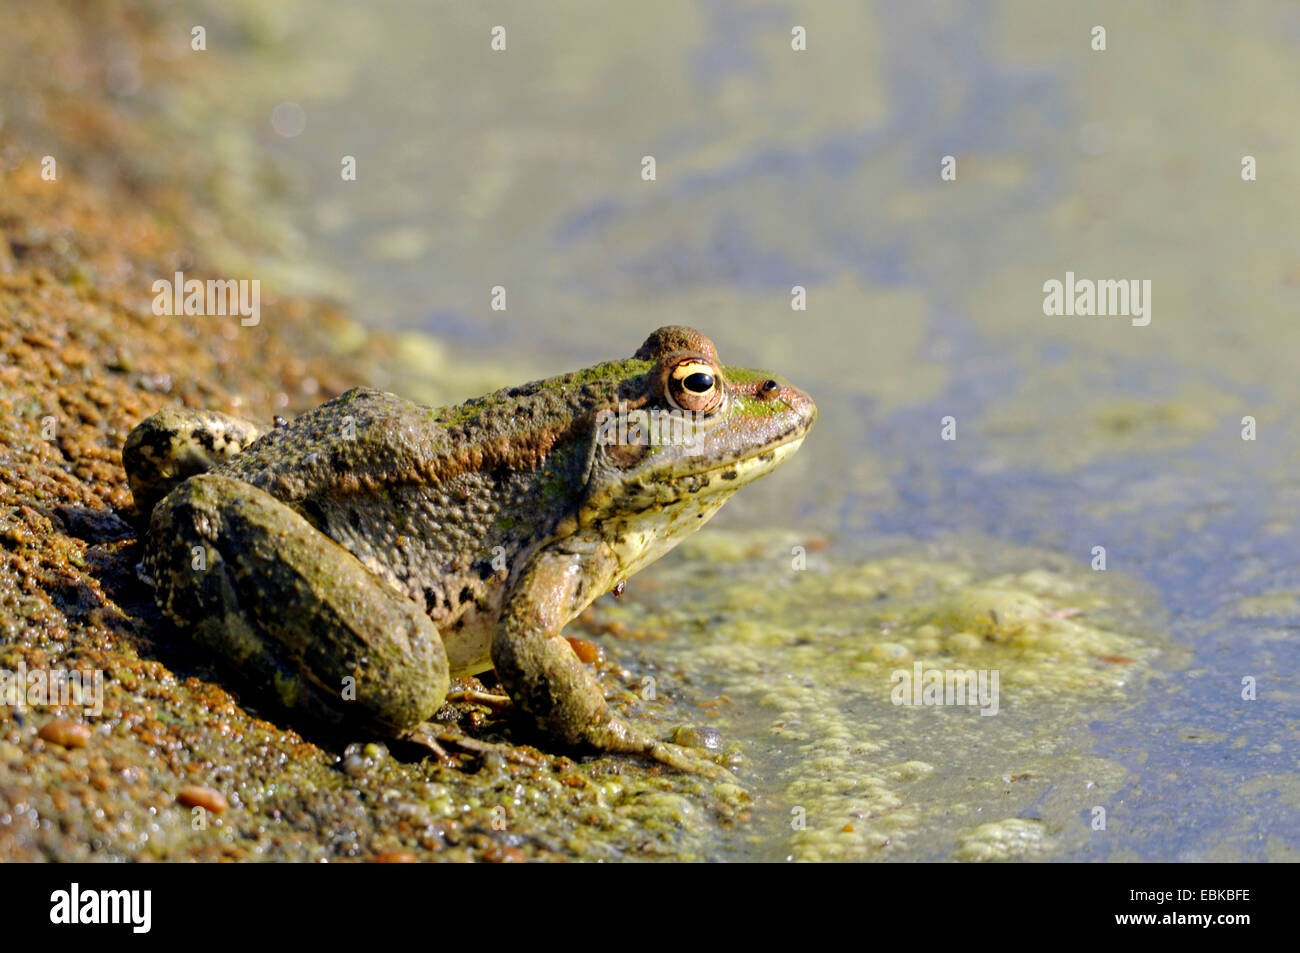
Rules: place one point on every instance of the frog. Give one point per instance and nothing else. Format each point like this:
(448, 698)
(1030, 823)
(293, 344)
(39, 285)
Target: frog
(349, 563)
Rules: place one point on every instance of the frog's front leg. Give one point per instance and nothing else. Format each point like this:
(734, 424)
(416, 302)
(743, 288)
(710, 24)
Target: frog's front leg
(544, 677)
(290, 609)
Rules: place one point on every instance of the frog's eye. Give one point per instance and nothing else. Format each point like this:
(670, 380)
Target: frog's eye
(694, 385)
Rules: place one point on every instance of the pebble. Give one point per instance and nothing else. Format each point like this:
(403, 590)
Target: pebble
(66, 732)
(209, 799)
(395, 857)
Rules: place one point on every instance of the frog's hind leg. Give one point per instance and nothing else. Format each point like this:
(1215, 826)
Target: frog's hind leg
(176, 443)
(291, 610)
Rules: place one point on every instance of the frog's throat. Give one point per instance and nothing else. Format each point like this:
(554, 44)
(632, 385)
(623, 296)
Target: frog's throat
(639, 537)
(683, 492)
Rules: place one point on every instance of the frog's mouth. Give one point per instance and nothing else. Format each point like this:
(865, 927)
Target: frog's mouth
(712, 478)
(760, 463)
(719, 461)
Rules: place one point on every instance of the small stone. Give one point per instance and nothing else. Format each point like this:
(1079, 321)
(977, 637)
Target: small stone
(66, 732)
(589, 653)
(209, 799)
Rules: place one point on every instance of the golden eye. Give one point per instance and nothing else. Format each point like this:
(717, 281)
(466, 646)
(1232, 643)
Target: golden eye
(693, 384)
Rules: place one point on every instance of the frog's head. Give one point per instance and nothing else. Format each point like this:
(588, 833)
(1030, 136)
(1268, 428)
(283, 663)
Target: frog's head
(686, 433)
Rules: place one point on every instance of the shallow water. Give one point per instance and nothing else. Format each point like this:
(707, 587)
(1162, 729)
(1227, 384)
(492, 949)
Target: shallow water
(925, 300)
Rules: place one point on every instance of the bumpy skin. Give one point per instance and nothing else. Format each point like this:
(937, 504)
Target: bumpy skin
(355, 558)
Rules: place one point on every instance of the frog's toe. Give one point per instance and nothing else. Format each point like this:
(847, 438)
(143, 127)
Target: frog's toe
(289, 609)
(620, 737)
(433, 736)
(425, 735)
(497, 703)
(683, 760)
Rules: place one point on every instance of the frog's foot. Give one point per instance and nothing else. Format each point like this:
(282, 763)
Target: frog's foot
(425, 735)
(675, 756)
(616, 736)
(433, 736)
(498, 703)
(176, 443)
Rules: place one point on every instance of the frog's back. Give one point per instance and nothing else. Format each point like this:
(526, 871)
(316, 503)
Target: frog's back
(358, 439)
(438, 502)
